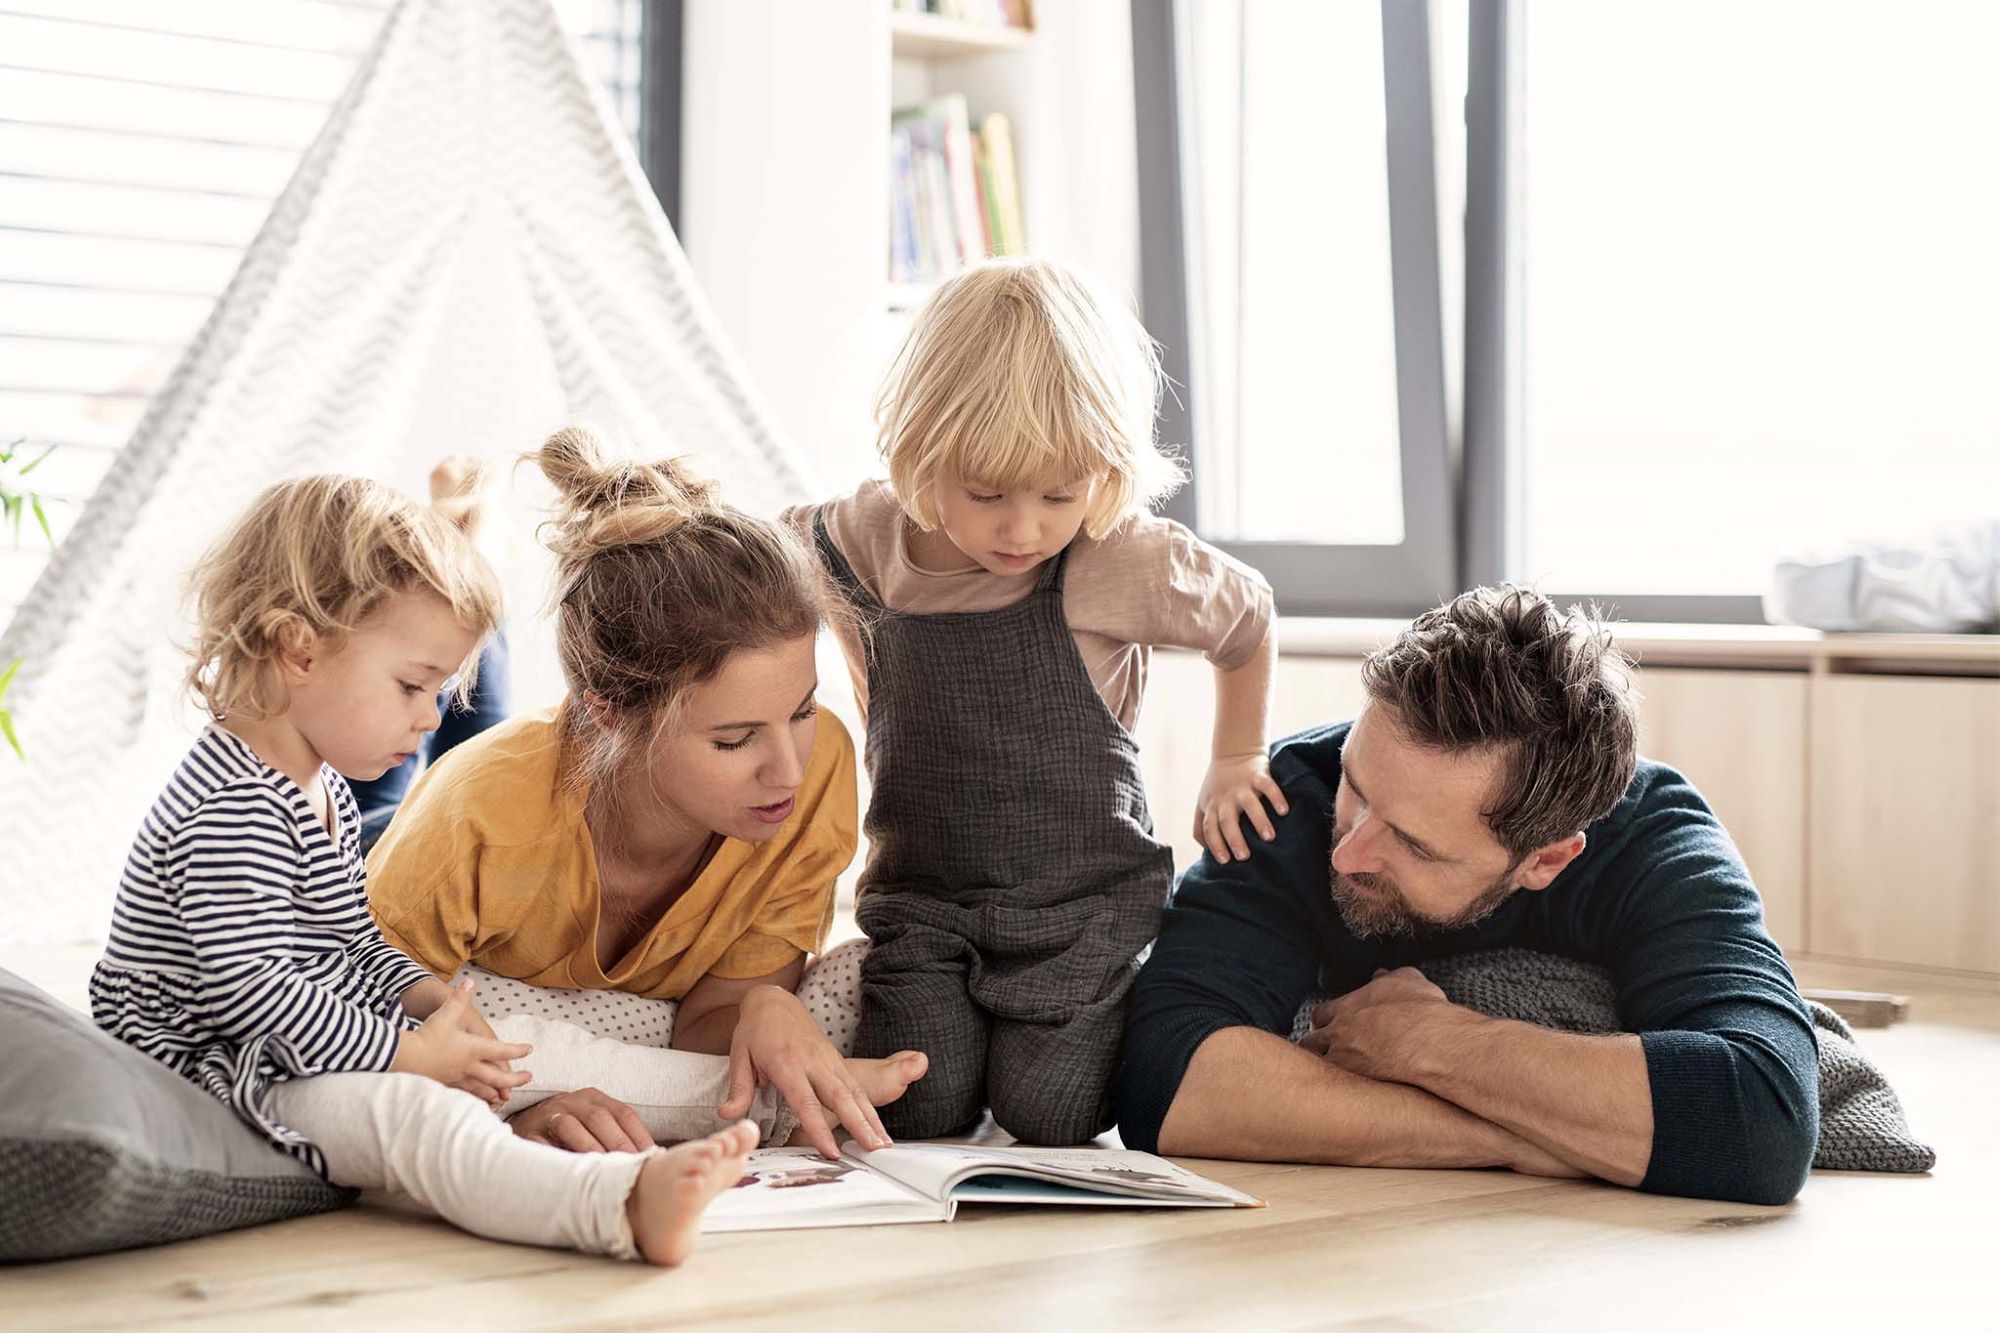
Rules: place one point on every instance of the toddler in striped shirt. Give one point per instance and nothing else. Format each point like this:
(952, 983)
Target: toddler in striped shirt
(242, 953)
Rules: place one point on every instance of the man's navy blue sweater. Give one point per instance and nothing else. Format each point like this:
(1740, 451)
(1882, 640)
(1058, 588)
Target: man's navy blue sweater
(1659, 898)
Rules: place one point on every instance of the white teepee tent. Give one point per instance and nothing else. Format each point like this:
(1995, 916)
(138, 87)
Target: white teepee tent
(466, 257)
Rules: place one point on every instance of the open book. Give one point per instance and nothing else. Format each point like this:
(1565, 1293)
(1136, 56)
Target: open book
(783, 1188)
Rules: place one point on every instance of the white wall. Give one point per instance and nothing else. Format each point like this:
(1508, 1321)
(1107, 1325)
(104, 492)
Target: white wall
(784, 199)
(785, 184)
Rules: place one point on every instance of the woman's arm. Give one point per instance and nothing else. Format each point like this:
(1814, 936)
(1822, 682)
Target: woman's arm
(709, 1013)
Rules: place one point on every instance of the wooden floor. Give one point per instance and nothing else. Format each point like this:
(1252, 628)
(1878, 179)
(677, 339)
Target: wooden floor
(1336, 1249)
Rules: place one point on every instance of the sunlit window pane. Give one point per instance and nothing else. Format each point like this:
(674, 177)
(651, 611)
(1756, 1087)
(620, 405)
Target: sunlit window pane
(1290, 299)
(1759, 283)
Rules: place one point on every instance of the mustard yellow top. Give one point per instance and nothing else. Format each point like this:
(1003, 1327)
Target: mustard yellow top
(489, 861)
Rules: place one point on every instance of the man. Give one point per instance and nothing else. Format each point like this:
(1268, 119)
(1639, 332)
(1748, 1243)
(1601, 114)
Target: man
(1488, 796)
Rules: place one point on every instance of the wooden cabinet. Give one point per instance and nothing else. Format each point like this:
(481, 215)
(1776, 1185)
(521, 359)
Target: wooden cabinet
(1867, 806)
(1740, 737)
(1905, 846)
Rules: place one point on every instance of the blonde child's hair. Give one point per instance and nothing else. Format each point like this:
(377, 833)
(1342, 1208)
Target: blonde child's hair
(1023, 373)
(658, 581)
(318, 555)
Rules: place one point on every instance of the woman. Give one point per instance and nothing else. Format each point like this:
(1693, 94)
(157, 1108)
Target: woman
(671, 831)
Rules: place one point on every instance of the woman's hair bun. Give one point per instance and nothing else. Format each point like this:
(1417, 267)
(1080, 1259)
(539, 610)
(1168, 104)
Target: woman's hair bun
(609, 503)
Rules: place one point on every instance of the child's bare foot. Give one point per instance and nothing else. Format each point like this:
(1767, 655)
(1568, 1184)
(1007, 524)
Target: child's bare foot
(883, 1081)
(677, 1183)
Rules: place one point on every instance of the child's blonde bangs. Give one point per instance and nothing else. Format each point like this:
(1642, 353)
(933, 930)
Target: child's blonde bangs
(1019, 375)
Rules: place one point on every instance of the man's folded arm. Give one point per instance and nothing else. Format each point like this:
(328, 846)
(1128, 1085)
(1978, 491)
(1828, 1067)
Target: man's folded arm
(1206, 1073)
(1731, 1057)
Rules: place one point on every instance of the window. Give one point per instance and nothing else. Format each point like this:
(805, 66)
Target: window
(1726, 287)
(141, 145)
(1758, 278)
(1291, 244)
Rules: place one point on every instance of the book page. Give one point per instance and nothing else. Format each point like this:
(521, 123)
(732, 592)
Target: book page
(934, 1169)
(785, 1188)
(1027, 1189)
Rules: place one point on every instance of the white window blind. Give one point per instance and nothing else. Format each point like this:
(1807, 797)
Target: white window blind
(141, 145)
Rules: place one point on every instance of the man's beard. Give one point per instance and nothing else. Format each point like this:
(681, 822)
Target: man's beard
(1374, 908)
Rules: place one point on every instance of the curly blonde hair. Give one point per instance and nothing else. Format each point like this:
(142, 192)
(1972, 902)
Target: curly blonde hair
(315, 557)
(1021, 373)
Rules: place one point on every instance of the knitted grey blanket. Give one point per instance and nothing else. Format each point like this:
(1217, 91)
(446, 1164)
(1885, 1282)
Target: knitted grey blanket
(1861, 1125)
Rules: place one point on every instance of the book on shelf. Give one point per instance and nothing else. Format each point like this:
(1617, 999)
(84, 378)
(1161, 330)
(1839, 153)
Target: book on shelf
(989, 13)
(790, 1188)
(954, 195)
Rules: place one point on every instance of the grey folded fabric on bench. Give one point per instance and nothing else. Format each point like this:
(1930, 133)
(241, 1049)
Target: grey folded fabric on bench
(1861, 1125)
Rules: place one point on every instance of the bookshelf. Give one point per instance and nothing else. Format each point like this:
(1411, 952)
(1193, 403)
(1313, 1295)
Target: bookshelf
(954, 177)
(933, 37)
(786, 178)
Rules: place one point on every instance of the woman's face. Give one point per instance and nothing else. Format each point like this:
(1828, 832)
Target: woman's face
(734, 757)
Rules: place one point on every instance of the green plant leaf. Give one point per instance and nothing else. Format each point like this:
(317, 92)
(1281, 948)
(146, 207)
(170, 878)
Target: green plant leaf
(35, 501)
(26, 468)
(7, 676)
(7, 730)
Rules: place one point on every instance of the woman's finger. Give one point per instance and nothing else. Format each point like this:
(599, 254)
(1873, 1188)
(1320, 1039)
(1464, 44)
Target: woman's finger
(603, 1127)
(742, 1086)
(845, 1100)
(568, 1132)
(629, 1121)
(798, 1092)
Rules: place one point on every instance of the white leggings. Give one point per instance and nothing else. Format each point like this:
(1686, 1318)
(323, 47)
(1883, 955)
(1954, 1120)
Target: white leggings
(617, 1043)
(445, 1151)
(441, 1148)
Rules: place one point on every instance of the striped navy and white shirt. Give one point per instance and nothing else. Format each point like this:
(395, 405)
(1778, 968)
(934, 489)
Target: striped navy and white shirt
(242, 951)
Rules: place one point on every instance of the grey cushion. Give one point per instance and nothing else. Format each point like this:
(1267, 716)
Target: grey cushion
(1861, 1125)
(102, 1148)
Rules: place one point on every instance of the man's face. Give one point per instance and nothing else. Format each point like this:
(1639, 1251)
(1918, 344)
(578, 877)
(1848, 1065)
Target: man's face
(1411, 851)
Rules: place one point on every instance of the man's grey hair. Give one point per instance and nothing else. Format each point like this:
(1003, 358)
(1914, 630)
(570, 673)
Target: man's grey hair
(1504, 668)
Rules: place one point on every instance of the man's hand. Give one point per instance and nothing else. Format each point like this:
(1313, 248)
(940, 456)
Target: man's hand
(1373, 1031)
(585, 1120)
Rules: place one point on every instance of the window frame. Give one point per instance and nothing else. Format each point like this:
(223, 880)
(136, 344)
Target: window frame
(662, 29)
(1318, 578)
(1494, 440)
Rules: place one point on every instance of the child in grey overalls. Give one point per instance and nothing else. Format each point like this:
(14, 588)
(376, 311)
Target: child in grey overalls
(1009, 584)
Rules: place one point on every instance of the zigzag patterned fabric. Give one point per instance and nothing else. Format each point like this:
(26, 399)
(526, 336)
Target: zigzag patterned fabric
(467, 256)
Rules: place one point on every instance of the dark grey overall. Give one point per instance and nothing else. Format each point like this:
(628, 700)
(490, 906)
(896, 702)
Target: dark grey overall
(1013, 876)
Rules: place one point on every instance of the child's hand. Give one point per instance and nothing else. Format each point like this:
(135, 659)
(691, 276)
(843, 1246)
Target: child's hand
(426, 998)
(458, 1049)
(1235, 789)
